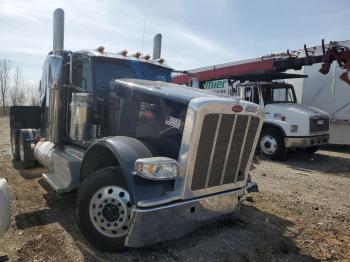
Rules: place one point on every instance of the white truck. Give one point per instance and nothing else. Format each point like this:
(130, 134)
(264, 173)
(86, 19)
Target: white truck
(329, 93)
(287, 123)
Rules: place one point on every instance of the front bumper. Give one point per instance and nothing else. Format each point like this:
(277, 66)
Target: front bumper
(156, 224)
(306, 141)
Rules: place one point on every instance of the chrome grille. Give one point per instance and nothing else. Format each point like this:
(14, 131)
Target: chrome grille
(319, 124)
(225, 144)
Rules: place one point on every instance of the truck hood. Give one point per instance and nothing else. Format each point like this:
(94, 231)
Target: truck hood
(295, 108)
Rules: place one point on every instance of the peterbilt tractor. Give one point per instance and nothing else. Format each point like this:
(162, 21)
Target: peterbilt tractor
(150, 160)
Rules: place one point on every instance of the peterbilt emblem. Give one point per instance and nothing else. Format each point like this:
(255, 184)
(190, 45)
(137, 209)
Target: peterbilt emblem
(237, 108)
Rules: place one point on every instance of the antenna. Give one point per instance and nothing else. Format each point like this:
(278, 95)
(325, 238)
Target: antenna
(143, 34)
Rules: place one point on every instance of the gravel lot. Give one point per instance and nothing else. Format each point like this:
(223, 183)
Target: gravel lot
(302, 213)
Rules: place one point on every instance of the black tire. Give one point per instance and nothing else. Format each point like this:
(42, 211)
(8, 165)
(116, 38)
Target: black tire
(106, 177)
(26, 153)
(14, 144)
(271, 144)
(309, 150)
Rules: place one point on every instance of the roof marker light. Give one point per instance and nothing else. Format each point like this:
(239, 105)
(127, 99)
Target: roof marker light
(136, 55)
(147, 57)
(100, 49)
(123, 53)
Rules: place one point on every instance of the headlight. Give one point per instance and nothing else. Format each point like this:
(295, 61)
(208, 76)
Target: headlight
(294, 128)
(157, 168)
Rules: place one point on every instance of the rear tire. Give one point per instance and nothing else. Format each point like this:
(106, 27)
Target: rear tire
(26, 153)
(271, 144)
(103, 209)
(14, 144)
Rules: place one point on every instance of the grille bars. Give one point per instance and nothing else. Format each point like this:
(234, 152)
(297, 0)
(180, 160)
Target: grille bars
(228, 150)
(223, 146)
(242, 149)
(213, 150)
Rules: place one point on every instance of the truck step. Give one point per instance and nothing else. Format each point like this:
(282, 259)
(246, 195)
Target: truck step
(58, 183)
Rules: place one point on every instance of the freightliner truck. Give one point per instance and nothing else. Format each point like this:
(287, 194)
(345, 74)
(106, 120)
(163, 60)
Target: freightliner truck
(287, 123)
(150, 160)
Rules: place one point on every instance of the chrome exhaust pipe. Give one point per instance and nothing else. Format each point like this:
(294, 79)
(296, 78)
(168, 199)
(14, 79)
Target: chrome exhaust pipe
(58, 29)
(157, 46)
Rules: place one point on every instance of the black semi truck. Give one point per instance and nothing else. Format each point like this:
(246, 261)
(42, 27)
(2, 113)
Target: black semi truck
(150, 160)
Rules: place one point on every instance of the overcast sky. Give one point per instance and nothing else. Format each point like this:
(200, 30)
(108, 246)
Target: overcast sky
(195, 33)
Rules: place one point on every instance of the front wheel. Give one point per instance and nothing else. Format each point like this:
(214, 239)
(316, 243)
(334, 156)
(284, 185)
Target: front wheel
(271, 144)
(103, 208)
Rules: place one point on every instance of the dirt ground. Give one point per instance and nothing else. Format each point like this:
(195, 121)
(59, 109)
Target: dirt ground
(302, 213)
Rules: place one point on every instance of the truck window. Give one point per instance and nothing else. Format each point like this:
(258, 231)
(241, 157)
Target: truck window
(108, 69)
(251, 94)
(282, 95)
(278, 94)
(81, 72)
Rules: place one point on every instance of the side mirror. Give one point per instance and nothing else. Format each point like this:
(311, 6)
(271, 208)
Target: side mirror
(4, 206)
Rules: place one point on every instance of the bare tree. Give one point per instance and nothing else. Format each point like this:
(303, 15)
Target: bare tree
(5, 69)
(17, 92)
(33, 95)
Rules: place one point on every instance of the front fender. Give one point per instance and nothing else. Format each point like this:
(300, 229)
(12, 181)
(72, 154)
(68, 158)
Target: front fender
(123, 152)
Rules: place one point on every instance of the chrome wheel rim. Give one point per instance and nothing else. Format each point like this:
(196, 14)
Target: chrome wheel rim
(268, 144)
(110, 211)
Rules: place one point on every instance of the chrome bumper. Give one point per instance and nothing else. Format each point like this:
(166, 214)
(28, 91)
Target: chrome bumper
(157, 224)
(306, 141)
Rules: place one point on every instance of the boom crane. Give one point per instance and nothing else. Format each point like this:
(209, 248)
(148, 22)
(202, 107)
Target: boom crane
(272, 66)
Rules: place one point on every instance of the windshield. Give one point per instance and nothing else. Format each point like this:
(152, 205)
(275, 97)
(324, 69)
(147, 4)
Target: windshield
(278, 94)
(109, 69)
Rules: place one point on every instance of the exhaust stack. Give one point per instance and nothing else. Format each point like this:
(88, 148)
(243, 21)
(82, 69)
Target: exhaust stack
(56, 98)
(157, 46)
(58, 29)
